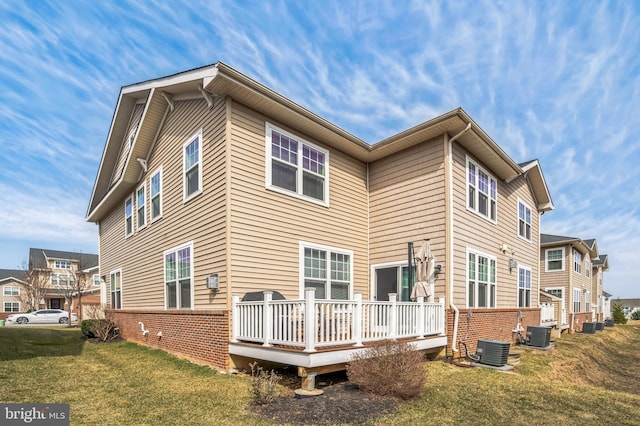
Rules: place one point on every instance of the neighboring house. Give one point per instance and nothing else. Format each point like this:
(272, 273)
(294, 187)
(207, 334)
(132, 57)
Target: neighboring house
(57, 269)
(599, 297)
(212, 186)
(11, 281)
(629, 306)
(572, 270)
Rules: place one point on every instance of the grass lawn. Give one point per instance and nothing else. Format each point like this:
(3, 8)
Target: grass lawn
(585, 380)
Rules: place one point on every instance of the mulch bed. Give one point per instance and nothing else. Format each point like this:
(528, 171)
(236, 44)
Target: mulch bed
(341, 403)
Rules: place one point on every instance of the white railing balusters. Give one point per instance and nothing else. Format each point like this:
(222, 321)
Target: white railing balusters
(312, 323)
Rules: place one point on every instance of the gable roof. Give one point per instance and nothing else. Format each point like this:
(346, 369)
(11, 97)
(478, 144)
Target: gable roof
(11, 275)
(38, 258)
(583, 246)
(602, 260)
(221, 81)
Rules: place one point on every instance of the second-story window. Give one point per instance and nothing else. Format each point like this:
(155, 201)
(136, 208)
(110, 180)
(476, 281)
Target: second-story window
(554, 260)
(192, 153)
(141, 206)
(128, 216)
(297, 167)
(482, 192)
(10, 290)
(524, 221)
(577, 261)
(155, 190)
(587, 269)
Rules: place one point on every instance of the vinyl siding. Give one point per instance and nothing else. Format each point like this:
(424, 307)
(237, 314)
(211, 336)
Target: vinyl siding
(126, 145)
(567, 279)
(267, 226)
(407, 199)
(200, 220)
(472, 231)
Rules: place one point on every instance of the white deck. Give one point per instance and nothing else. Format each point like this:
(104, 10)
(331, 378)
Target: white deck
(278, 331)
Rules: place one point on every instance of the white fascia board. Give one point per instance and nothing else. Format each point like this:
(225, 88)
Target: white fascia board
(206, 74)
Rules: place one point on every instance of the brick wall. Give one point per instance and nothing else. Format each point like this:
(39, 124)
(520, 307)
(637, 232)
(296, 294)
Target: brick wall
(490, 324)
(201, 336)
(579, 319)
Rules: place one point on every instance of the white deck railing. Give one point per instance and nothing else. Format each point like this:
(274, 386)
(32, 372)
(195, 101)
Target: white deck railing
(334, 322)
(547, 312)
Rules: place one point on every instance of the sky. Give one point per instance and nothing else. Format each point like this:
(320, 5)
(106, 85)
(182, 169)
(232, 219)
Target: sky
(552, 80)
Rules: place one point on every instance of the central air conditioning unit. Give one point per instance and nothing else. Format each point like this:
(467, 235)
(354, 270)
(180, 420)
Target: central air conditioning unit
(538, 336)
(599, 326)
(609, 323)
(589, 328)
(493, 352)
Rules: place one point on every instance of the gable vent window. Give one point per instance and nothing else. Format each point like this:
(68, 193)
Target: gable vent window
(296, 167)
(128, 216)
(192, 152)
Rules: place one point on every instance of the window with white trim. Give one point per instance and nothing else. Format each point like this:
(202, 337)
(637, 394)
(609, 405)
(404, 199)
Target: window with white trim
(577, 261)
(329, 270)
(482, 192)
(11, 307)
(296, 167)
(11, 290)
(554, 259)
(128, 216)
(96, 280)
(587, 301)
(524, 221)
(115, 286)
(587, 268)
(62, 280)
(62, 264)
(141, 206)
(192, 161)
(576, 300)
(178, 272)
(481, 280)
(155, 194)
(524, 287)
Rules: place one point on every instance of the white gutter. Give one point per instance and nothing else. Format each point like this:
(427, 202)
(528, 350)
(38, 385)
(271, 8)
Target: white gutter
(456, 315)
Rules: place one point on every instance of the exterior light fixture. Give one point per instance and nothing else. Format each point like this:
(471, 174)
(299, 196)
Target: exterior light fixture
(213, 282)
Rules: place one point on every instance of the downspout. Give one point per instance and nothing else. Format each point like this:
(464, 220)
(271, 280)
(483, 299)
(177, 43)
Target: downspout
(449, 236)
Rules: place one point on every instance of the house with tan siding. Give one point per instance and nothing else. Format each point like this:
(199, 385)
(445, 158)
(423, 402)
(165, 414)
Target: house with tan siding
(572, 270)
(214, 191)
(11, 282)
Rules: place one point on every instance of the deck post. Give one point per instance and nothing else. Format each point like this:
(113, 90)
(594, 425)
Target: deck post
(309, 319)
(441, 313)
(357, 319)
(421, 317)
(235, 318)
(267, 326)
(393, 314)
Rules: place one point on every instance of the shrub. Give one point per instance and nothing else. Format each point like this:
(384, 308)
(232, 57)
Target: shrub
(618, 315)
(389, 369)
(85, 326)
(104, 329)
(635, 315)
(263, 384)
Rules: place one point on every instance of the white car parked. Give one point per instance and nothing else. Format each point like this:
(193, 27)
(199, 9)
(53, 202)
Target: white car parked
(43, 316)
